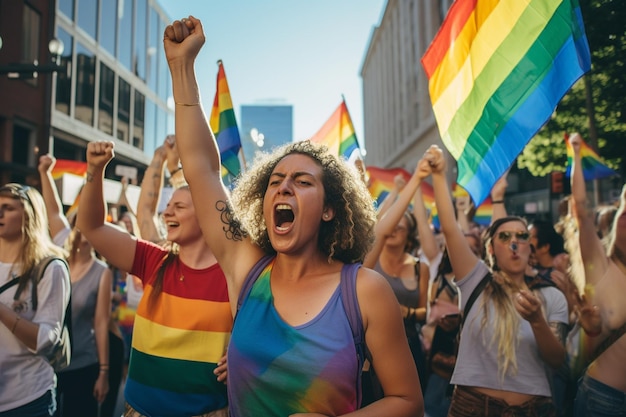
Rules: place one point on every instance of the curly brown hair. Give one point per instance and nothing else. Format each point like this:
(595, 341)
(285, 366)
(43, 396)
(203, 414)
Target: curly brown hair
(347, 237)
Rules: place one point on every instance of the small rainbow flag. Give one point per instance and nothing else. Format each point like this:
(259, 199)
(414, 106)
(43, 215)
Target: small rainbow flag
(381, 181)
(483, 213)
(496, 71)
(338, 134)
(68, 166)
(224, 125)
(593, 166)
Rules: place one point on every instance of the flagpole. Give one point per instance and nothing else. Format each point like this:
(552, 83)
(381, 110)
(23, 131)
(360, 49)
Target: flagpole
(243, 159)
(593, 133)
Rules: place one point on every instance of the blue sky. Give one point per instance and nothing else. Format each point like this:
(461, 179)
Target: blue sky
(303, 53)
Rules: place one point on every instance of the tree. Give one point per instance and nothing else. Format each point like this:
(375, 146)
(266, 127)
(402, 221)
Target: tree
(606, 33)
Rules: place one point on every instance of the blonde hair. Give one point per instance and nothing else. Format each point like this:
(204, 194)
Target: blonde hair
(36, 241)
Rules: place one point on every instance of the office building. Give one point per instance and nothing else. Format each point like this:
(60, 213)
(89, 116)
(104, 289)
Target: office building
(265, 126)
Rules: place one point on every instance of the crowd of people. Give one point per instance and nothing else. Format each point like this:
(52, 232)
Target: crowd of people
(294, 295)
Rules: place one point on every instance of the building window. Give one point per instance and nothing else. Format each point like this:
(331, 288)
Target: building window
(125, 26)
(107, 94)
(108, 26)
(85, 83)
(30, 37)
(87, 16)
(123, 111)
(64, 81)
(140, 111)
(153, 48)
(140, 51)
(67, 8)
(150, 134)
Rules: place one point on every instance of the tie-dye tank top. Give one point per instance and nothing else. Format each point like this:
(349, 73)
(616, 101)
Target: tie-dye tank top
(275, 369)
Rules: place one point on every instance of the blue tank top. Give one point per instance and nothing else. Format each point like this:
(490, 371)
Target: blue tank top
(276, 369)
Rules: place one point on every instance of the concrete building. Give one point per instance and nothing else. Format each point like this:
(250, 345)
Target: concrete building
(399, 124)
(116, 86)
(265, 126)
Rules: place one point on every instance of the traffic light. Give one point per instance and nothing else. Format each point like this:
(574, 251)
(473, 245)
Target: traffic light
(556, 182)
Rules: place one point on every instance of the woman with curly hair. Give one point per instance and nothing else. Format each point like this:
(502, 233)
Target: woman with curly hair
(295, 220)
(513, 330)
(31, 315)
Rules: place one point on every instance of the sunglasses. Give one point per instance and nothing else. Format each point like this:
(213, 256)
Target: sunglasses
(17, 191)
(519, 236)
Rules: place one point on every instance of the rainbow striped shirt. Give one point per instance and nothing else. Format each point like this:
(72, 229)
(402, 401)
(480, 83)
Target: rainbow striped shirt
(178, 340)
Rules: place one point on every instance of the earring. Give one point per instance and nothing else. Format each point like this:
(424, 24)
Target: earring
(325, 216)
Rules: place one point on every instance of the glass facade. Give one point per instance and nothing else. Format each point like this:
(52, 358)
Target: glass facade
(118, 83)
(264, 127)
(64, 80)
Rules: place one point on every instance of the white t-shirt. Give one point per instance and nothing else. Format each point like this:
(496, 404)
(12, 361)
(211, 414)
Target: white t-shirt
(477, 364)
(26, 375)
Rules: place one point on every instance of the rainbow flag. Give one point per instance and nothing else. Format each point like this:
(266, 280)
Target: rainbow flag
(593, 166)
(496, 71)
(68, 166)
(381, 181)
(224, 125)
(338, 134)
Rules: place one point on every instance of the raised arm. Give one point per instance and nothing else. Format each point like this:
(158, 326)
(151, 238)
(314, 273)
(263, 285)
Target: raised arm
(497, 198)
(54, 208)
(462, 258)
(116, 245)
(398, 184)
(592, 252)
(200, 156)
(428, 243)
(386, 224)
(149, 196)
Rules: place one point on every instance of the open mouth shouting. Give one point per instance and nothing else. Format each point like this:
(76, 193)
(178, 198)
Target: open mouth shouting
(283, 217)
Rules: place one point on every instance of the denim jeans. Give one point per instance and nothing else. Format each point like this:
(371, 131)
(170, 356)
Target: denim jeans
(44, 406)
(595, 399)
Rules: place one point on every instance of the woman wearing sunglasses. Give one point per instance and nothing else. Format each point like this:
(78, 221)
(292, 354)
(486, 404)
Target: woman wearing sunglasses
(509, 333)
(31, 318)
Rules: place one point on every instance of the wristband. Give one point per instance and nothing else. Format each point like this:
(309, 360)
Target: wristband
(187, 104)
(497, 201)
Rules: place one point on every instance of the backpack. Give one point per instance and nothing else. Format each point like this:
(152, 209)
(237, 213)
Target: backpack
(60, 353)
(350, 305)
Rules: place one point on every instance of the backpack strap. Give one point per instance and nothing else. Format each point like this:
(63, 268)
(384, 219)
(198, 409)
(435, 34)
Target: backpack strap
(474, 295)
(351, 306)
(9, 284)
(251, 278)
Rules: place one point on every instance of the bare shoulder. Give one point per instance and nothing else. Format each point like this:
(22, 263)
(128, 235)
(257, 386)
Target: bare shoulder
(375, 295)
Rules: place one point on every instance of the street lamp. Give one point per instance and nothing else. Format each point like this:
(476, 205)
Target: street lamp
(27, 70)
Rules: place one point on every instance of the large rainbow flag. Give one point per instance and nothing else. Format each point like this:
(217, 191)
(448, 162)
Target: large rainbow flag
(224, 125)
(68, 166)
(496, 71)
(593, 166)
(338, 134)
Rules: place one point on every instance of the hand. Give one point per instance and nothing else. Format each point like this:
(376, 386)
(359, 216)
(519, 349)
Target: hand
(399, 182)
(46, 163)
(437, 161)
(528, 306)
(101, 388)
(576, 141)
(171, 153)
(423, 168)
(499, 188)
(183, 39)
(100, 153)
(589, 316)
(449, 322)
(221, 370)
